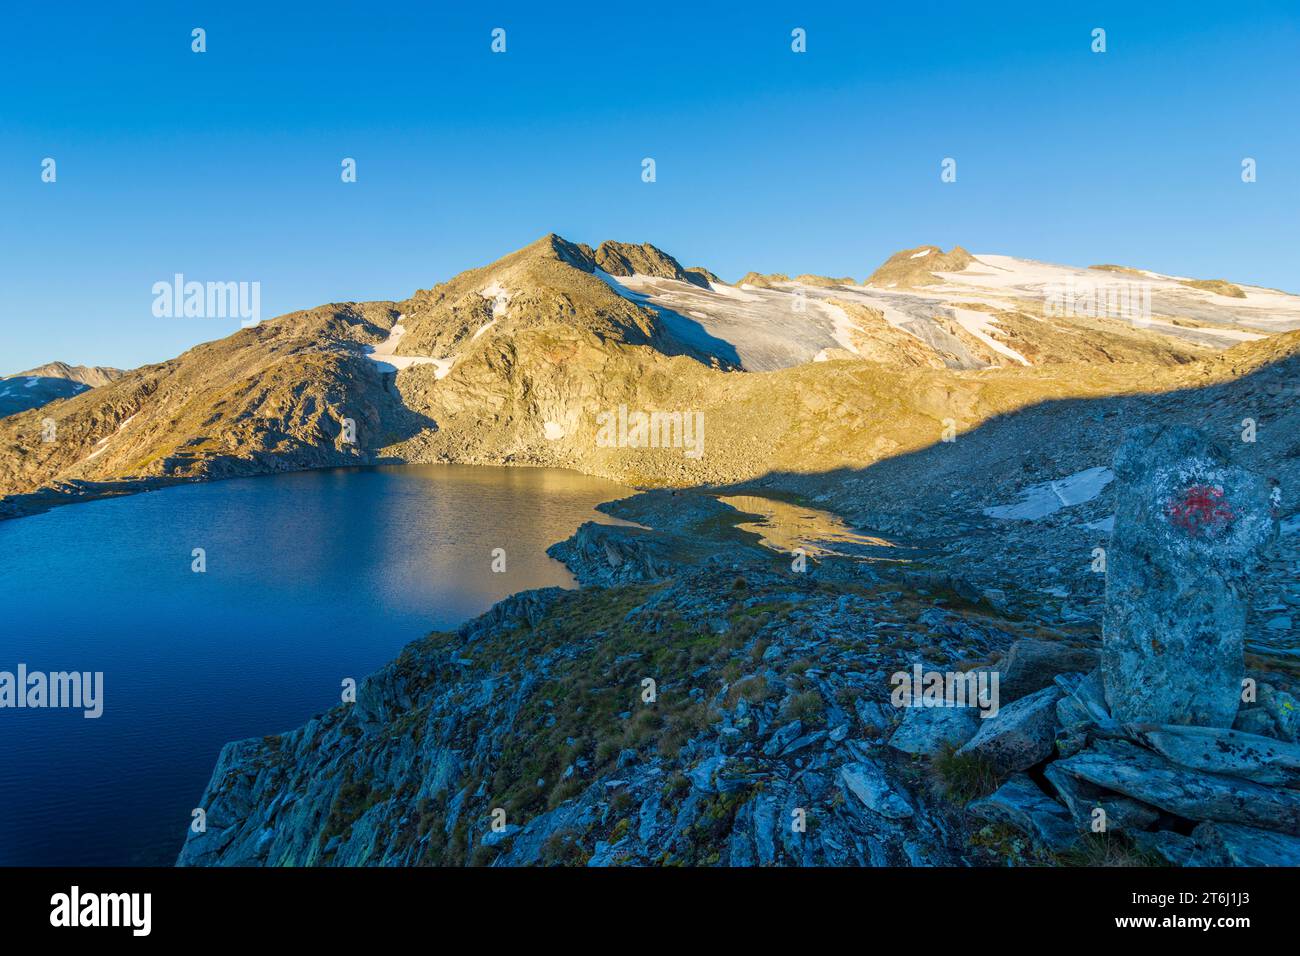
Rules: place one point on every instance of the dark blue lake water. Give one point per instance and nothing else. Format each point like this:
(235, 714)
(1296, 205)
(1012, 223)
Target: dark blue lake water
(310, 578)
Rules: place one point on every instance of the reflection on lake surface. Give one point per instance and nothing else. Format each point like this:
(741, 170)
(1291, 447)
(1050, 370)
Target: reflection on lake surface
(311, 577)
(785, 526)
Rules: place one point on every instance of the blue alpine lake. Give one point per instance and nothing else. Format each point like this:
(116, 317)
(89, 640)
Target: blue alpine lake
(310, 578)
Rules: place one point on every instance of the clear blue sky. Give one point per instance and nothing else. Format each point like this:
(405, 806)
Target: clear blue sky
(225, 165)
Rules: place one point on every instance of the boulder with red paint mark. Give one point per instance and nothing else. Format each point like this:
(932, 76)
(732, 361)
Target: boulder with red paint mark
(1190, 527)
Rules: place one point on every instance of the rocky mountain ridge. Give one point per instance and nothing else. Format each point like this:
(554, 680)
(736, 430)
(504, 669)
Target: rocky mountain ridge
(514, 362)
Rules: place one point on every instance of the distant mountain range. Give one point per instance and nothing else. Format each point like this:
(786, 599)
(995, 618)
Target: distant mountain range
(47, 383)
(515, 361)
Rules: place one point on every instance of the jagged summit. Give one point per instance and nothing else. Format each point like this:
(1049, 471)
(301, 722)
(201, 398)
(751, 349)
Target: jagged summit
(611, 256)
(551, 284)
(618, 259)
(625, 259)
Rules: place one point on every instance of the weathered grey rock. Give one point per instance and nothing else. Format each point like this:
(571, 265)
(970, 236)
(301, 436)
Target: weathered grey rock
(604, 554)
(1173, 848)
(1283, 708)
(1189, 527)
(1222, 844)
(1083, 799)
(1071, 714)
(1081, 712)
(868, 783)
(1229, 844)
(872, 713)
(741, 844)
(807, 740)
(1089, 692)
(1020, 803)
(1256, 720)
(926, 730)
(1069, 743)
(1022, 734)
(782, 738)
(606, 853)
(1216, 750)
(525, 609)
(649, 816)
(495, 837)
(1150, 778)
(1032, 665)
(217, 845)
(767, 809)
(995, 598)
(704, 776)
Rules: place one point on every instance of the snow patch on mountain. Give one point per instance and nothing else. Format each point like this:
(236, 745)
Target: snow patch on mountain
(843, 328)
(996, 280)
(384, 355)
(1048, 497)
(982, 326)
(765, 329)
(499, 297)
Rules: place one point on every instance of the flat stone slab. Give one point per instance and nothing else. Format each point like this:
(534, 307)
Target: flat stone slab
(1150, 778)
(1232, 752)
(926, 730)
(1230, 844)
(1083, 799)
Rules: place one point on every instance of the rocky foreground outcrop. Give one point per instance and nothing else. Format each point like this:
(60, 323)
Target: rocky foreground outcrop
(1189, 531)
(1168, 741)
(533, 737)
(701, 701)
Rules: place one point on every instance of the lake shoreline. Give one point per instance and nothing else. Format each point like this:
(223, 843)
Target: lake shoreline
(309, 577)
(13, 507)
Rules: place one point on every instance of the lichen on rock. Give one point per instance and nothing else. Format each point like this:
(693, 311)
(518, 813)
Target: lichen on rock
(1189, 528)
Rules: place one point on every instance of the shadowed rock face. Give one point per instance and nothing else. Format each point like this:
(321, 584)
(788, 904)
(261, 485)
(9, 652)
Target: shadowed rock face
(1189, 528)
